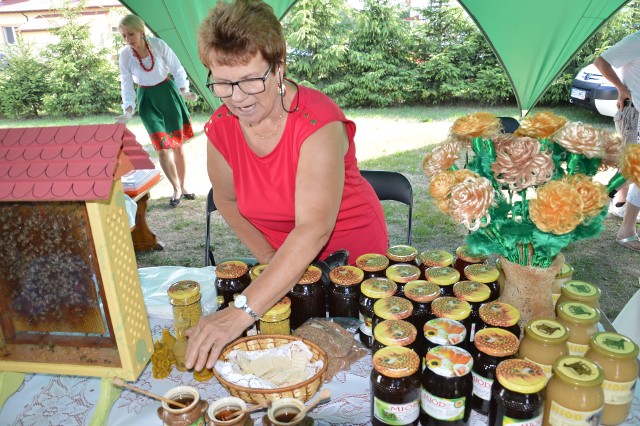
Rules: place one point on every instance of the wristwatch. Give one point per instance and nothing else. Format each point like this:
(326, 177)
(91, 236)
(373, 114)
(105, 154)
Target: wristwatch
(240, 302)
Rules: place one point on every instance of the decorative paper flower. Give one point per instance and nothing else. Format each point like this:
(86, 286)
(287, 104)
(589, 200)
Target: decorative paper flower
(475, 125)
(630, 165)
(557, 209)
(442, 183)
(441, 158)
(521, 164)
(541, 125)
(594, 194)
(502, 139)
(613, 146)
(580, 138)
(470, 202)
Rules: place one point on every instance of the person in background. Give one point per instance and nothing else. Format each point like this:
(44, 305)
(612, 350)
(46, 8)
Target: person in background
(147, 62)
(626, 55)
(282, 163)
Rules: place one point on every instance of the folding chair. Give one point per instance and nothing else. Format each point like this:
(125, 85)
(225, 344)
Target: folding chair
(209, 259)
(509, 124)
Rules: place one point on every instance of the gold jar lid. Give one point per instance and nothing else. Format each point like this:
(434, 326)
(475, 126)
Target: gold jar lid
(444, 331)
(396, 361)
(471, 291)
(465, 253)
(257, 270)
(449, 361)
(546, 331)
(422, 291)
(278, 312)
(395, 332)
(522, 376)
(442, 275)
(580, 291)
(231, 269)
(578, 313)
(499, 314)
(451, 307)
(578, 371)
(613, 345)
(432, 258)
(378, 287)
(393, 307)
(496, 342)
(566, 271)
(184, 292)
(312, 275)
(481, 272)
(372, 262)
(346, 275)
(403, 272)
(402, 253)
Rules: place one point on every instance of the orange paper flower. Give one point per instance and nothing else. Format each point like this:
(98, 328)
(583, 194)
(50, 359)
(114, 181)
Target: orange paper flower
(582, 139)
(557, 209)
(594, 194)
(470, 202)
(630, 165)
(476, 125)
(442, 183)
(541, 125)
(613, 146)
(520, 164)
(441, 158)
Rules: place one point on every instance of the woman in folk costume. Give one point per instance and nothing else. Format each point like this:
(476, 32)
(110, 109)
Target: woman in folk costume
(147, 62)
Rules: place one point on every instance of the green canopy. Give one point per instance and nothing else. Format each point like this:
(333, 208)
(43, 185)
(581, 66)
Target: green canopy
(535, 39)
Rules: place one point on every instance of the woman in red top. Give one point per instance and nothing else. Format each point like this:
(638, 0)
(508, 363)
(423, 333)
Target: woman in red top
(281, 159)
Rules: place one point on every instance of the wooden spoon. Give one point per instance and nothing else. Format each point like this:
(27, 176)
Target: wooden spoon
(119, 382)
(325, 394)
(264, 404)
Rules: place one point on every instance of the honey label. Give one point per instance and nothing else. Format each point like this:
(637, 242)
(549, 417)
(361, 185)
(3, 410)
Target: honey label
(421, 291)
(402, 252)
(444, 331)
(563, 416)
(442, 408)
(372, 262)
(396, 362)
(618, 393)
(393, 308)
(577, 349)
(451, 307)
(436, 258)
(472, 291)
(616, 344)
(396, 414)
(581, 288)
(481, 272)
(442, 275)
(403, 273)
(536, 421)
(482, 386)
(548, 329)
(378, 288)
(449, 361)
(496, 342)
(548, 369)
(395, 332)
(499, 314)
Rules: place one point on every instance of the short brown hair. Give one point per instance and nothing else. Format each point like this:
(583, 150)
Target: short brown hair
(232, 33)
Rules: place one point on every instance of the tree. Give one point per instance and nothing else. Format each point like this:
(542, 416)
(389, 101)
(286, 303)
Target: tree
(23, 82)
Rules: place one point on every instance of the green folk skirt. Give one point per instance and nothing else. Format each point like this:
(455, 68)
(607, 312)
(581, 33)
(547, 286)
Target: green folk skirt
(164, 115)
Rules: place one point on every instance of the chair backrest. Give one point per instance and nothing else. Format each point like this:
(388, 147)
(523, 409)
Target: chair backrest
(209, 259)
(392, 186)
(509, 124)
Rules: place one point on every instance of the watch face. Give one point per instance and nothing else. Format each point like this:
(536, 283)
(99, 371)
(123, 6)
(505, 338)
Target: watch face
(240, 301)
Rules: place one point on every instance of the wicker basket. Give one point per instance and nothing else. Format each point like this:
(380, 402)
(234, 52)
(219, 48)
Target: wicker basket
(302, 391)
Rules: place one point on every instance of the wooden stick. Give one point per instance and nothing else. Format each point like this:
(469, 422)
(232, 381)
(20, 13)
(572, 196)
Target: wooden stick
(119, 382)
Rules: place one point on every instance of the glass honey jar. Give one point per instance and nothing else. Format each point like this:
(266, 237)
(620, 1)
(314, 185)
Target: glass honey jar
(344, 291)
(475, 294)
(455, 309)
(617, 356)
(501, 315)
(582, 322)
(444, 276)
(402, 254)
(185, 301)
(580, 291)
(391, 308)
(232, 277)
(421, 293)
(402, 273)
(465, 257)
(565, 274)
(371, 290)
(276, 319)
(431, 258)
(394, 333)
(307, 297)
(257, 270)
(486, 274)
(373, 265)
(544, 341)
(574, 392)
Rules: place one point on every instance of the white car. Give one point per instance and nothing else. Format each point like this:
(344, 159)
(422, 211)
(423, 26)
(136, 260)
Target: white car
(591, 90)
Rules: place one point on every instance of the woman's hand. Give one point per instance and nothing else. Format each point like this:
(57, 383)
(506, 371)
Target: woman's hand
(124, 118)
(211, 334)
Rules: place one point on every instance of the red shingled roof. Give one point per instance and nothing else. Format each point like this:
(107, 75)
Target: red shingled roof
(66, 163)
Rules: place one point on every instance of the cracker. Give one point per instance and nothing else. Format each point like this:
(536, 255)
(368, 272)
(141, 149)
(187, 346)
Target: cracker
(260, 366)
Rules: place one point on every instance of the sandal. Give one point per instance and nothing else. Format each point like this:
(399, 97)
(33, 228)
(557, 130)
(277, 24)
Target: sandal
(173, 202)
(189, 196)
(629, 242)
(620, 204)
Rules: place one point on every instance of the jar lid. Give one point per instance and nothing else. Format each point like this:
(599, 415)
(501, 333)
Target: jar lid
(613, 345)
(395, 332)
(378, 287)
(231, 269)
(566, 271)
(442, 275)
(451, 307)
(520, 375)
(402, 253)
(372, 262)
(496, 342)
(449, 361)
(578, 371)
(403, 272)
(422, 291)
(182, 290)
(499, 314)
(312, 275)
(471, 291)
(578, 312)
(546, 331)
(281, 310)
(257, 270)
(444, 331)
(346, 275)
(581, 291)
(465, 253)
(436, 258)
(481, 272)
(395, 361)
(393, 307)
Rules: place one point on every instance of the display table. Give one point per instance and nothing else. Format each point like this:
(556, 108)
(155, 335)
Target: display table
(71, 400)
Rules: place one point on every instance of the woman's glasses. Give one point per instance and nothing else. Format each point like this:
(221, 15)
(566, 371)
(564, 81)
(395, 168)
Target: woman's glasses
(249, 86)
